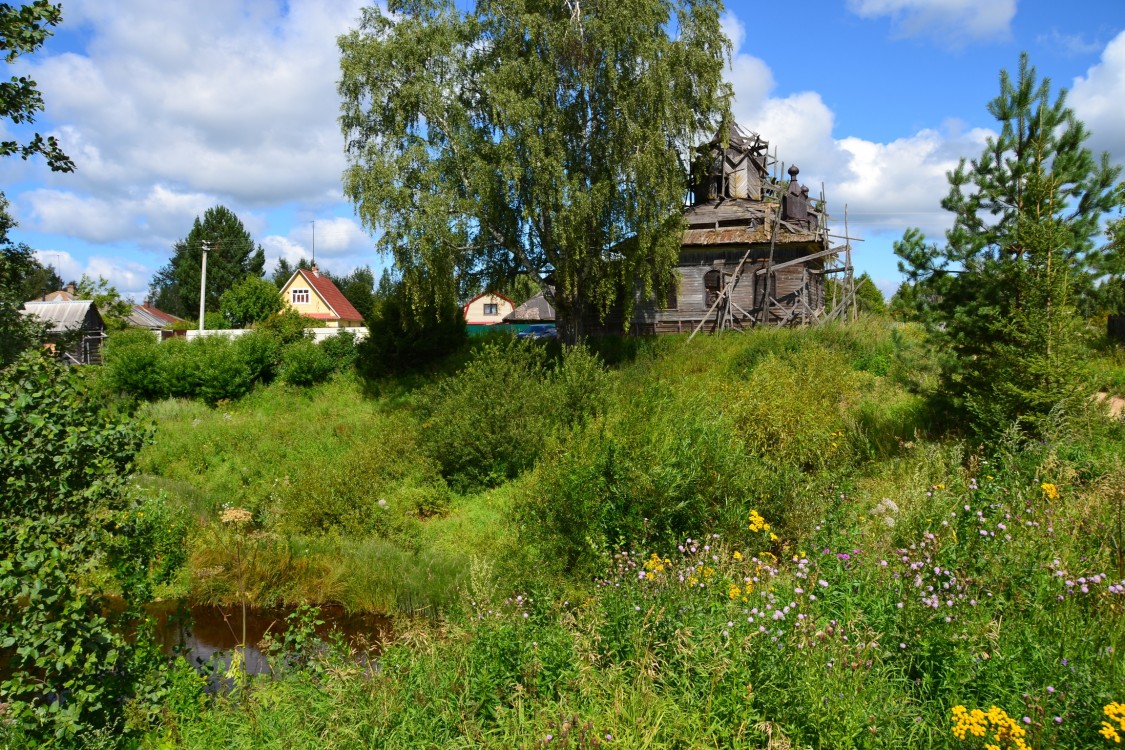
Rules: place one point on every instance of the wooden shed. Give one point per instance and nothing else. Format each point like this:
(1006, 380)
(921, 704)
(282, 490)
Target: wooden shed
(755, 251)
(74, 328)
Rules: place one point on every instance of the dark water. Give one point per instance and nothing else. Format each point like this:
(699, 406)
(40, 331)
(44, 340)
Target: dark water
(207, 634)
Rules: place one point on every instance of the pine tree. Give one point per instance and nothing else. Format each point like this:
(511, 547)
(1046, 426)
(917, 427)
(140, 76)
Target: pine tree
(999, 295)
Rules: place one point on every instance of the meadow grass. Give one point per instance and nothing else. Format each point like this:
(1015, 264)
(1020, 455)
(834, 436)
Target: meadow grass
(755, 542)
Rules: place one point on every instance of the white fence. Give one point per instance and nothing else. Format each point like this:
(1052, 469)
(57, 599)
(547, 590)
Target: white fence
(319, 334)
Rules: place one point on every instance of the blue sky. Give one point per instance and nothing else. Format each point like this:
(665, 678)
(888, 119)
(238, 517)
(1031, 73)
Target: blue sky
(233, 102)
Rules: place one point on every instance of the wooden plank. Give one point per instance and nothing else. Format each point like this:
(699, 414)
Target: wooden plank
(805, 259)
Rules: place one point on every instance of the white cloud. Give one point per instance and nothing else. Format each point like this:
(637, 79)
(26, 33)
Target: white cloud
(900, 184)
(341, 245)
(165, 114)
(128, 277)
(1097, 99)
(885, 186)
(950, 21)
(157, 218)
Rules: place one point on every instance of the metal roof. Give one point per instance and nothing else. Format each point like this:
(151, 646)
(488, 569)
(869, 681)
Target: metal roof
(536, 308)
(147, 316)
(60, 316)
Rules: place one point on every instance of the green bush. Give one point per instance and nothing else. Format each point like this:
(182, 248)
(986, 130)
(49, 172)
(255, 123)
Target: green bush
(661, 466)
(288, 326)
(340, 349)
(381, 487)
(68, 539)
(133, 362)
(180, 374)
(250, 301)
(792, 409)
(404, 336)
(221, 373)
(489, 422)
(261, 351)
(304, 363)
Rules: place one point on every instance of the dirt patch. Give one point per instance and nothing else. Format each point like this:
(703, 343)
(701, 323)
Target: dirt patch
(1116, 403)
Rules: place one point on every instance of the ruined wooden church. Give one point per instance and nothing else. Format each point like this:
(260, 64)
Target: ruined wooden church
(756, 249)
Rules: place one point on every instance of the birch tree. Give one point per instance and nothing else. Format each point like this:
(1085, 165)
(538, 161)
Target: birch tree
(531, 136)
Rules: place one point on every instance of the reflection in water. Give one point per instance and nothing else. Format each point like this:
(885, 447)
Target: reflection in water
(199, 633)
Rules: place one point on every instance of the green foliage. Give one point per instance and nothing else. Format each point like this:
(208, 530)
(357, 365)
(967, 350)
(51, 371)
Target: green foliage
(379, 488)
(215, 368)
(64, 464)
(133, 361)
(261, 352)
(1000, 294)
(868, 296)
(232, 257)
(288, 326)
(491, 421)
(562, 141)
(341, 350)
(304, 364)
(115, 310)
(410, 332)
(23, 30)
(249, 301)
(830, 639)
(1109, 263)
(17, 266)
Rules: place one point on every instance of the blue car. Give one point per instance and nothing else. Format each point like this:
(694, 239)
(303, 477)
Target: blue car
(544, 331)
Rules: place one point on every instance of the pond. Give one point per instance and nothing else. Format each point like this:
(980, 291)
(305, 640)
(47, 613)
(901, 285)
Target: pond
(203, 633)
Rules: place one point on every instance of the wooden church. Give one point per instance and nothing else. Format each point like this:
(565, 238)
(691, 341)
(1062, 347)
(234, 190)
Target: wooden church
(756, 249)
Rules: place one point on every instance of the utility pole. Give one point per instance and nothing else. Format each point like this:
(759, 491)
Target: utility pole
(313, 222)
(203, 283)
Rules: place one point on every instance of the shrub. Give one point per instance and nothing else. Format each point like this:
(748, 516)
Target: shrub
(659, 467)
(489, 422)
(261, 352)
(403, 336)
(132, 361)
(250, 301)
(219, 370)
(68, 526)
(288, 326)
(179, 370)
(379, 487)
(216, 321)
(792, 409)
(340, 349)
(304, 363)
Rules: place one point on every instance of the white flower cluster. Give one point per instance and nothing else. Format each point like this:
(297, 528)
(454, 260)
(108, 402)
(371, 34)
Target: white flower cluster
(886, 510)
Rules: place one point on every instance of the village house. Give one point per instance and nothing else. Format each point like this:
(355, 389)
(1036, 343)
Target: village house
(316, 297)
(75, 329)
(487, 309)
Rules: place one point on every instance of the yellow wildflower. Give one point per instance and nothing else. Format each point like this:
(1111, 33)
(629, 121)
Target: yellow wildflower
(737, 555)
(734, 592)
(1050, 490)
(1116, 713)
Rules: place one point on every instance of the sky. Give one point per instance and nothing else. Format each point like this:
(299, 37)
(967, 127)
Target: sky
(233, 102)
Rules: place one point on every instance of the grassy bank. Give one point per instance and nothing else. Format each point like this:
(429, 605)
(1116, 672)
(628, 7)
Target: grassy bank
(747, 541)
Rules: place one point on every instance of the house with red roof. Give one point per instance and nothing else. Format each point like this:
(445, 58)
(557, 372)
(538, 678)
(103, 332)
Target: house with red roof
(316, 297)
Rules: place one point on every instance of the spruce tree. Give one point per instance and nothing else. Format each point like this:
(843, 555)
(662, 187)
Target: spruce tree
(999, 294)
(231, 257)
